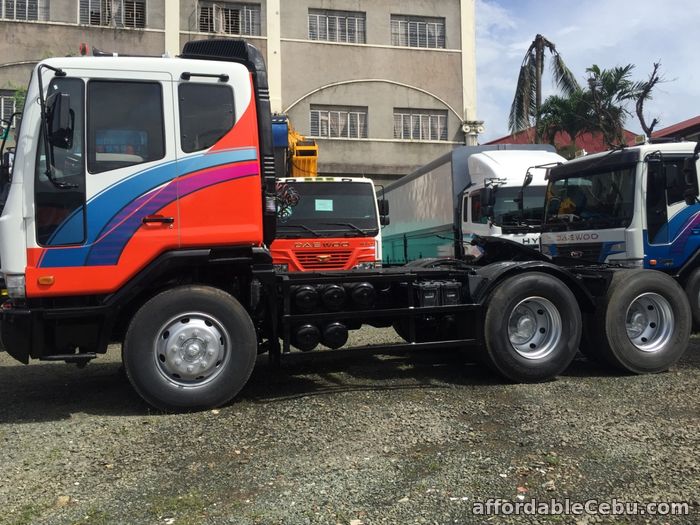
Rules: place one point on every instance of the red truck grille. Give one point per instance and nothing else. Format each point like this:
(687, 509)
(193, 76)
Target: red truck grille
(323, 260)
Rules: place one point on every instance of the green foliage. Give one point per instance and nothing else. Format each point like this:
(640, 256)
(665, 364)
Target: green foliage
(528, 92)
(601, 107)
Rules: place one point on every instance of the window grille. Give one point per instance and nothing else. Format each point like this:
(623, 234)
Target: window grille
(337, 26)
(420, 124)
(339, 122)
(414, 31)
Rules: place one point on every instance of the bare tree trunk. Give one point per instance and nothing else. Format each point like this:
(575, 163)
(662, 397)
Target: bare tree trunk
(644, 95)
(539, 59)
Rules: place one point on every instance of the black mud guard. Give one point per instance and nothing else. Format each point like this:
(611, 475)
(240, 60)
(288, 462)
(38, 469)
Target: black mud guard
(493, 274)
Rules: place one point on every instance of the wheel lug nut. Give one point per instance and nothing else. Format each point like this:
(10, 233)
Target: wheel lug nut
(178, 361)
(182, 337)
(190, 368)
(173, 349)
(210, 352)
(195, 333)
(203, 365)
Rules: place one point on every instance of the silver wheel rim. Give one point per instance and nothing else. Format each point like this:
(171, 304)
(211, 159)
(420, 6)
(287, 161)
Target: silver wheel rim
(534, 328)
(192, 349)
(649, 322)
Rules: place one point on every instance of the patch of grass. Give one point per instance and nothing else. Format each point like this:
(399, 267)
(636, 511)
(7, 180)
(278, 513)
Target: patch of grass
(553, 460)
(186, 509)
(93, 517)
(25, 515)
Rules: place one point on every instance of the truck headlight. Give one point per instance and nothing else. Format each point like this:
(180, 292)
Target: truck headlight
(618, 247)
(281, 267)
(369, 265)
(16, 288)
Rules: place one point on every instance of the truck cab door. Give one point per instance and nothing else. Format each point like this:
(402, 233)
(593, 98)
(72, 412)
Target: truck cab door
(673, 227)
(120, 209)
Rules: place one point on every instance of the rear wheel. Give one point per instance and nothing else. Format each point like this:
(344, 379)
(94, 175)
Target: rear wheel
(692, 291)
(645, 324)
(532, 327)
(190, 347)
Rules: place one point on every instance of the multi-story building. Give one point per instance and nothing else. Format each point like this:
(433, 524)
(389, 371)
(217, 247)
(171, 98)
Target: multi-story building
(384, 85)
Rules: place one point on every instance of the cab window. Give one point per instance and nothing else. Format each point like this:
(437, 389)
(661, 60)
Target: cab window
(125, 124)
(206, 114)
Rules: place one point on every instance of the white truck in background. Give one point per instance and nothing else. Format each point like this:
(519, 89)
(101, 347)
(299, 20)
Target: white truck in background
(496, 191)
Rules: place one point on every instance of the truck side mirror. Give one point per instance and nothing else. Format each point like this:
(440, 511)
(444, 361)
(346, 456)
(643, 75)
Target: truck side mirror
(60, 120)
(690, 179)
(384, 220)
(383, 205)
(488, 197)
(689, 170)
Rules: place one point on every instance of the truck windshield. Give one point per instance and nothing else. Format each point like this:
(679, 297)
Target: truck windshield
(326, 209)
(597, 200)
(505, 208)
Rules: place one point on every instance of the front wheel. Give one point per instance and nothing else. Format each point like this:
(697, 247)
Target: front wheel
(532, 327)
(191, 347)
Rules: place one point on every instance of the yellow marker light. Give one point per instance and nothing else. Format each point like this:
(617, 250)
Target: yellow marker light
(46, 280)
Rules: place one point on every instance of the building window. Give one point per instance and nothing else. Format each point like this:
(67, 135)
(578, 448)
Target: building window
(115, 13)
(347, 122)
(8, 106)
(24, 10)
(337, 26)
(229, 18)
(420, 124)
(417, 31)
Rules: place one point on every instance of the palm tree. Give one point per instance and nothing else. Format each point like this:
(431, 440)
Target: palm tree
(571, 114)
(610, 90)
(528, 92)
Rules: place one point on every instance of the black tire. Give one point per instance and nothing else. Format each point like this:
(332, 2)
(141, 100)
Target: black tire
(610, 336)
(544, 297)
(692, 291)
(176, 317)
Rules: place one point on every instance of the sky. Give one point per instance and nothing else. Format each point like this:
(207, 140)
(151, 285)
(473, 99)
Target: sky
(608, 33)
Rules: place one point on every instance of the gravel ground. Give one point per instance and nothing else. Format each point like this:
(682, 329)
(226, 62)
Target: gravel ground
(357, 439)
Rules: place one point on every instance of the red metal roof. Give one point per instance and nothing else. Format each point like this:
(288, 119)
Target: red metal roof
(591, 142)
(692, 125)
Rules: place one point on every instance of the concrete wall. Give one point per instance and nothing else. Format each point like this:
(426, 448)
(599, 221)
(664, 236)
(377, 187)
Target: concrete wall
(306, 66)
(378, 16)
(21, 43)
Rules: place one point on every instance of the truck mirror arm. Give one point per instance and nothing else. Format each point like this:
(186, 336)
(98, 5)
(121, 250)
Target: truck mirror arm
(48, 149)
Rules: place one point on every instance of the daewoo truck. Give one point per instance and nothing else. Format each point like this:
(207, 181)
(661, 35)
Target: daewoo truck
(327, 223)
(471, 191)
(141, 209)
(635, 206)
(323, 223)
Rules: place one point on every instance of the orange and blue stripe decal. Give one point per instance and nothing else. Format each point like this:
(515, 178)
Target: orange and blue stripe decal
(114, 215)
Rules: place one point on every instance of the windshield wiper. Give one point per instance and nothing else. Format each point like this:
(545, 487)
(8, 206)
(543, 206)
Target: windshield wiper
(300, 226)
(350, 225)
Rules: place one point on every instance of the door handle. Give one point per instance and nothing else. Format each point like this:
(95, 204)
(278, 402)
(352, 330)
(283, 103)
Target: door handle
(157, 219)
(695, 231)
